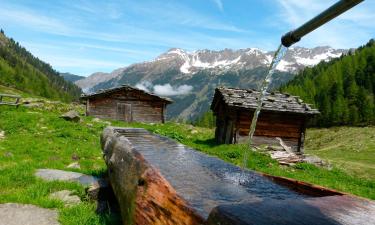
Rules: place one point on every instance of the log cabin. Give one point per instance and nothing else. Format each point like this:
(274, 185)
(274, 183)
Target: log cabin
(282, 116)
(127, 104)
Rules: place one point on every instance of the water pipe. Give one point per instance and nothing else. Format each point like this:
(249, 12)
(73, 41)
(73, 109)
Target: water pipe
(338, 8)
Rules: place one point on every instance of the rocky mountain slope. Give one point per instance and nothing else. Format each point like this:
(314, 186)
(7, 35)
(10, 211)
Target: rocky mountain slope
(190, 77)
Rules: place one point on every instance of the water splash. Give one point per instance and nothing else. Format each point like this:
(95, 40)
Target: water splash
(279, 54)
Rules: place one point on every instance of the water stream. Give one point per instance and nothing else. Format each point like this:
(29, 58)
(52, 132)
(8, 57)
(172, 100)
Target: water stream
(279, 54)
(204, 181)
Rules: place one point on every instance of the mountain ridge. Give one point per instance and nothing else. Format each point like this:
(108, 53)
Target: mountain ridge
(190, 77)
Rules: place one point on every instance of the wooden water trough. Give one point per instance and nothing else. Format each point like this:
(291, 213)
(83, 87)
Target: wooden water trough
(16, 101)
(159, 181)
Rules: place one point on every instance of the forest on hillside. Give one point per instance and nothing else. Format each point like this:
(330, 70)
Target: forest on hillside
(21, 70)
(343, 89)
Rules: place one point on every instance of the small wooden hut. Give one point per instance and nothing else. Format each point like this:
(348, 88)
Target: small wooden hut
(283, 116)
(127, 104)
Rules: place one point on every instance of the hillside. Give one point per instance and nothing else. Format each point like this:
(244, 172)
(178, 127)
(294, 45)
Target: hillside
(343, 89)
(21, 70)
(190, 78)
(71, 77)
(349, 148)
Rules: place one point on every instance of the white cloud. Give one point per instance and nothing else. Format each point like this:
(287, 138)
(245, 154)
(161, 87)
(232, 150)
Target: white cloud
(145, 86)
(168, 90)
(165, 89)
(219, 4)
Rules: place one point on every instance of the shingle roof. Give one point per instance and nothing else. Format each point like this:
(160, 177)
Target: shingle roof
(121, 88)
(274, 101)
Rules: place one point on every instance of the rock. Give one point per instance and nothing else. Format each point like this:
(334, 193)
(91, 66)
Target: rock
(61, 175)
(67, 197)
(95, 190)
(74, 165)
(2, 134)
(312, 159)
(33, 105)
(71, 116)
(8, 154)
(19, 214)
(194, 132)
(96, 120)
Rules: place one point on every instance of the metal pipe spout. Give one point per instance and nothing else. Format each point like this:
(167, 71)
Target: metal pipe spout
(338, 8)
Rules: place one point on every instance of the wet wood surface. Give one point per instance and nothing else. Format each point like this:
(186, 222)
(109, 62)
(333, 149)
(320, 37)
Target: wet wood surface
(330, 210)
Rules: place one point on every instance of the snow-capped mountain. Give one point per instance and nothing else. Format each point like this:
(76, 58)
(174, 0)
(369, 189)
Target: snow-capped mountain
(190, 63)
(295, 59)
(191, 77)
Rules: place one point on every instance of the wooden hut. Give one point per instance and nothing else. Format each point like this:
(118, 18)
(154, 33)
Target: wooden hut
(283, 116)
(127, 104)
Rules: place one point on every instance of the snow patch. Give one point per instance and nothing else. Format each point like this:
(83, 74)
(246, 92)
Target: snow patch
(196, 62)
(254, 51)
(284, 66)
(316, 59)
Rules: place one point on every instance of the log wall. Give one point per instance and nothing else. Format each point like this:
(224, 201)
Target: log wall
(236, 124)
(129, 107)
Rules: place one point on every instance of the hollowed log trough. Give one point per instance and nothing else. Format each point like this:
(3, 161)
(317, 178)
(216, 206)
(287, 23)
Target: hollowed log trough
(159, 181)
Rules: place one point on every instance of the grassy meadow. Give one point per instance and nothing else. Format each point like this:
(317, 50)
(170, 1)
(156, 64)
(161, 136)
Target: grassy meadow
(35, 137)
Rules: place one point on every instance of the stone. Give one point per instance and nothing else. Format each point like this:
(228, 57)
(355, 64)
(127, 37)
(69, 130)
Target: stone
(312, 159)
(61, 175)
(20, 214)
(96, 120)
(194, 132)
(71, 116)
(8, 154)
(67, 197)
(94, 191)
(33, 105)
(74, 165)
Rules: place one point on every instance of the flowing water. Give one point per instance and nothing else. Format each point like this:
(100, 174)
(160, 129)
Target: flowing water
(279, 54)
(204, 181)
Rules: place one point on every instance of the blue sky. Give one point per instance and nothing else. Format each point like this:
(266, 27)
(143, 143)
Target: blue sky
(86, 36)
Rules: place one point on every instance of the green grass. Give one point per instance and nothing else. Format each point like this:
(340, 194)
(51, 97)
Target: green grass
(349, 148)
(38, 138)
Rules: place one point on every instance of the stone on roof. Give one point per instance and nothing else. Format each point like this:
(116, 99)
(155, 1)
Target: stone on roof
(274, 101)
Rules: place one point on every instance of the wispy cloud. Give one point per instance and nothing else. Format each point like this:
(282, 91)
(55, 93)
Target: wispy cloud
(219, 4)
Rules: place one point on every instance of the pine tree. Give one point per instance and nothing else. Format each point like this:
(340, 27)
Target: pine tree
(343, 89)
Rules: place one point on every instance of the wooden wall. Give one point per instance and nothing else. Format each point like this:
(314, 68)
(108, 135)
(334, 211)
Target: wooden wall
(233, 126)
(129, 107)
